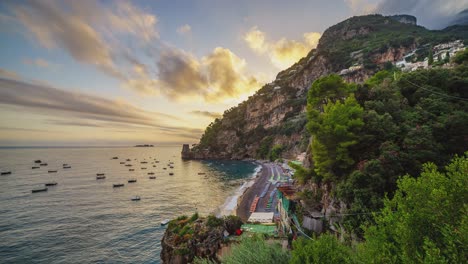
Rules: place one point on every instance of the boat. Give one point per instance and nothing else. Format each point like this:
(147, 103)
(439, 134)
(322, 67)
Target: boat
(52, 171)
(35, 167)
(43, 164)
(100, 174)
(50, 184)
(102, 177)
(5, 173)
(118, 185)
(131, 169)
(171, 173)
(44, 189)
(136, 198)
(165, 222)
(201, 173)
(115, 157)
(37, 161)
(152, 177)
(67, 167)
(132, 181)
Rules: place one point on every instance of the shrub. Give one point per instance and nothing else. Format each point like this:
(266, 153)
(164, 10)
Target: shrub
(213, 221)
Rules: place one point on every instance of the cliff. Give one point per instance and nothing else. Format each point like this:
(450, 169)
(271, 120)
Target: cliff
(275, 115)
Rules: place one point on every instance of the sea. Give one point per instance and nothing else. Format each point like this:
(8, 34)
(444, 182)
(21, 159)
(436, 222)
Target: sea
(85, 220)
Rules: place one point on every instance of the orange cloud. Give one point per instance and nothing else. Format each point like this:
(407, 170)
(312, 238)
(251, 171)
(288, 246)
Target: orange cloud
(282, 53)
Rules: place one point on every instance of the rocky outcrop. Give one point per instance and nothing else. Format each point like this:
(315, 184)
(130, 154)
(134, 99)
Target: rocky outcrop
(406, 19)
(187, 238)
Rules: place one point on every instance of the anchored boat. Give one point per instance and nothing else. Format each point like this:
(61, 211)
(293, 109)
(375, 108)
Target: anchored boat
(39, 190)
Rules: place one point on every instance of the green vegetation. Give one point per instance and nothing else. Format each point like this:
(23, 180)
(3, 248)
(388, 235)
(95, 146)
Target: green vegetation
(425, 222)
(364, 137)
(213, 221)
(257, 250)
(325, 249)
(275, 152)
(430, 57)
(335, 118)
(301, 174)
(461, 57)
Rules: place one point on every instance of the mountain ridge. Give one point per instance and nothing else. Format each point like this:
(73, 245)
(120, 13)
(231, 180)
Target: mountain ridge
(355, 48)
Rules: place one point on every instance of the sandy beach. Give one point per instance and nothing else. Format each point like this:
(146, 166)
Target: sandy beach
(245, 201)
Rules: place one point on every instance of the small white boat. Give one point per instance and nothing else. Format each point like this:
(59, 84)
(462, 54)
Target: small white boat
(165, 222)
(136, 198)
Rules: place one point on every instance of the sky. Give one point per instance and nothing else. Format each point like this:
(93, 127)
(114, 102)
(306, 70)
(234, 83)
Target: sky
(97, 73)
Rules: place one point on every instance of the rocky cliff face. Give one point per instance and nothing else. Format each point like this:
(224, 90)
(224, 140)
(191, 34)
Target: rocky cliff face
(275, 115)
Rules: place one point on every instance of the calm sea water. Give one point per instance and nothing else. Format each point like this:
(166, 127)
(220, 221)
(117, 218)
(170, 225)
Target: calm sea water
(84, 220)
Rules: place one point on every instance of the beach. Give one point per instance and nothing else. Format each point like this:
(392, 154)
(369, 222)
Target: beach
(262, 179)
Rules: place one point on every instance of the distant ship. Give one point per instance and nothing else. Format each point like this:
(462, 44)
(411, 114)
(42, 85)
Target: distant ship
(144, 146)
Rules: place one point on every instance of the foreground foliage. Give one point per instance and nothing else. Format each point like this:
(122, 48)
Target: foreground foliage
(425, 222)
(365, 136)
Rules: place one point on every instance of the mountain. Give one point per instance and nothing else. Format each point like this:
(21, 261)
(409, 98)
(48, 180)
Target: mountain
(461, 18)
(273, 120)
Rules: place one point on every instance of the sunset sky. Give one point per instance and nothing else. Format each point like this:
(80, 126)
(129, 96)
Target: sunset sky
(127, 72)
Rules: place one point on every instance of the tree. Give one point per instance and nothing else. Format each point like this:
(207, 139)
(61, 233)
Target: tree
(333, 132)
(461, 57)
(426, 221)
(430, 59)
(327, 89)
(275, 152)
(256, 250)
(447, 57)
(322, 250)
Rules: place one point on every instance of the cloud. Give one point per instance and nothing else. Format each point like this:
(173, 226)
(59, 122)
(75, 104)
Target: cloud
(184, 30)
(72, 123)
(284, 52)
(107, 36)
(206, 114)
(25, 129)
(40, 63)
(8, 74)
(361, 7)
(88, 31)
(82, 109)
(256, 40)
(218, 76)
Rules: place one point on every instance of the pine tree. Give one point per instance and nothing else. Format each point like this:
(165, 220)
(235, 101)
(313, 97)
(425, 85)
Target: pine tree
(431, 56)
